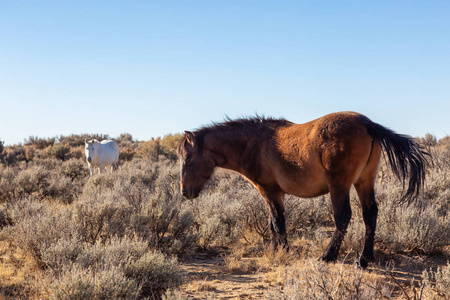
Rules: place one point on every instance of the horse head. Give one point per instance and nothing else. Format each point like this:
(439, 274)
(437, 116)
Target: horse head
(88, 149)
(197, 165)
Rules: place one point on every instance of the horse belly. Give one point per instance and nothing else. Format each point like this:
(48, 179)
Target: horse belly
(304, 184)
(109, 156)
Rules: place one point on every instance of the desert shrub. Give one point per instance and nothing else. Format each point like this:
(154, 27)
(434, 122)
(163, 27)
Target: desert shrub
(75, 169)
(39, 143)
(5, 220)
(62, 189)
(149, 150)
(150, 272)
(154, 273)
(60, 151)
(50, 164)
(85, 250)
(303, 216)
(116, 252)
(168, 222)
(32, 181)
(256, 215)
(169, 144)
(437, 191)
(78, 283)
(100, 221)
(217, 222)
(12, 155)
(119, 269)
(42, 179)
(140, 199)
(423, 226)
(63, 178)
(154, 148)
(99, 184)
(62, 253)
(7, 187)
(77, 153)
(37, 228)
(2, 147)
(439, 280)
(124, 138)
(126, 154)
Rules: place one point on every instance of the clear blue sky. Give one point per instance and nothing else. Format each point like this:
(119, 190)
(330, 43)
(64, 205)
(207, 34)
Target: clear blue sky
(150, 68)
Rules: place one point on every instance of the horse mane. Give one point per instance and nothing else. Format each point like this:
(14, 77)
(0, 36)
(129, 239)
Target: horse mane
(257, 122)
(240, 123)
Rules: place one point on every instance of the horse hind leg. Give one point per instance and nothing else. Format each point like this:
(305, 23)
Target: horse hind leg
(366, 196)
(342, 213)
(366, 192)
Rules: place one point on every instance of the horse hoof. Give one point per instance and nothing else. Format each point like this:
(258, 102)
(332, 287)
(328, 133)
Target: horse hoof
(328, 257)
(363, 263)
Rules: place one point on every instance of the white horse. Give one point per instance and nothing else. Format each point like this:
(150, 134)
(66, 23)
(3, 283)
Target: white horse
(101, 154)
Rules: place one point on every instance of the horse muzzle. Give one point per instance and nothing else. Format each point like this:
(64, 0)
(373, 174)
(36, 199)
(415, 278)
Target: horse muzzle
(89, 159)
(190, 193)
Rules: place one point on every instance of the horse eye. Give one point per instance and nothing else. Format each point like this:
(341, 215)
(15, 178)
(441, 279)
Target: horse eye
(188, 159)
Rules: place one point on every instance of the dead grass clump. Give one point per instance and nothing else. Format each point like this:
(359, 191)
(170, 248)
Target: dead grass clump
(237, 264)
(439, 280)
(318, 280)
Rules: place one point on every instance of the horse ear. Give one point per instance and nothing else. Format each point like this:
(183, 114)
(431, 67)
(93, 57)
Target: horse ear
(190, 138)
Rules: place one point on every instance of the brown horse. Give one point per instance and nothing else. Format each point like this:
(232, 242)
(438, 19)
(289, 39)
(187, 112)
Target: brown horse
(329, 154)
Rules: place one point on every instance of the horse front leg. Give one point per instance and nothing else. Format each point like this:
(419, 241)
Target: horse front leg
(277, 223)
(342, 213)
(91, 169)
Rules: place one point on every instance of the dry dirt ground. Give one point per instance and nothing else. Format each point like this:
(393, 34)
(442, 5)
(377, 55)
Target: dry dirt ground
(208, 277)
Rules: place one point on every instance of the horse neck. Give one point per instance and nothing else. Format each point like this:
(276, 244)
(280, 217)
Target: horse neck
(228, 146)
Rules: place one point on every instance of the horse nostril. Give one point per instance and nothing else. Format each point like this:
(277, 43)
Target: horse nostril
(184, 192)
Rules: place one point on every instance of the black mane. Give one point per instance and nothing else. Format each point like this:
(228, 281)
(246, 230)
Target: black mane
(242, 123)
(252, 123)
(260, 122)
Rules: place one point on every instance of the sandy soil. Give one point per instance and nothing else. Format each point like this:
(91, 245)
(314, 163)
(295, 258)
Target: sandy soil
(206, 276)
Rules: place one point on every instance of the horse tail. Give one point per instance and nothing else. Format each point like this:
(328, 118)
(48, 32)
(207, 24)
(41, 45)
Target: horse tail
(405, 156)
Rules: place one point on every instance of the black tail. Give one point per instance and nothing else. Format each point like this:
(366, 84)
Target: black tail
(405, 156)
